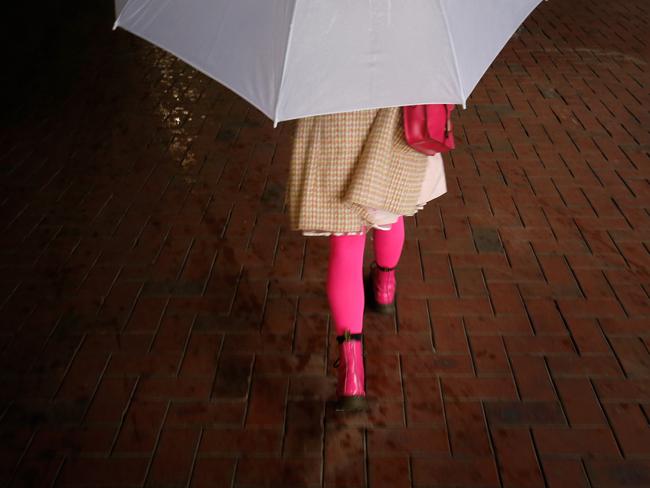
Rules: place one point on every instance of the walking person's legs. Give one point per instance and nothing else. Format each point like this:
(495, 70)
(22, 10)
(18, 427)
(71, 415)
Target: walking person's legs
(346, 299)
(388, 246)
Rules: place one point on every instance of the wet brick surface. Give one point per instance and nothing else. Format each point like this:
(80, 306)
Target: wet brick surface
(162, 326)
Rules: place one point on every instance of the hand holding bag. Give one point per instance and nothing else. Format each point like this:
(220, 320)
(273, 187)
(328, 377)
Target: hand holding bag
(428, 128)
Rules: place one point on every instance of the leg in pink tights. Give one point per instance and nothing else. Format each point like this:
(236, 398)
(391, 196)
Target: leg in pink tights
(388, 244)
(388, 249)
(346, 300)
(345, 282)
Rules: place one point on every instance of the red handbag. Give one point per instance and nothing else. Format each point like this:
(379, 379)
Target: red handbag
(428, 128)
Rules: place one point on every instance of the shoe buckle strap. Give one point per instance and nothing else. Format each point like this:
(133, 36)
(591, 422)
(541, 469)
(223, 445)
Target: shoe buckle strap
(382, 268)
(347, 336)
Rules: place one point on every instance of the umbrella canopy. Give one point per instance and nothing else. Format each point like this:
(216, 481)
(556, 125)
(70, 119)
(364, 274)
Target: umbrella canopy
(298, 58)
(119, 5)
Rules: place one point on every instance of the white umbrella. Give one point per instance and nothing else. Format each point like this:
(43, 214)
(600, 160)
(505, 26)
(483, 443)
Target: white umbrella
(297, 58)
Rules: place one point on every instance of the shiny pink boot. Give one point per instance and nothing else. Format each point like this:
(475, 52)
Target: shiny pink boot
(351, 382)
(384, 284)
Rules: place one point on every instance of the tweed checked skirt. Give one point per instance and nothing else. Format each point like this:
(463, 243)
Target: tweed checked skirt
(354, 171)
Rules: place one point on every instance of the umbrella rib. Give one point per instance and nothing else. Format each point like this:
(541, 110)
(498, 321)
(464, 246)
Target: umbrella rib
(453, 51)
(284, 64)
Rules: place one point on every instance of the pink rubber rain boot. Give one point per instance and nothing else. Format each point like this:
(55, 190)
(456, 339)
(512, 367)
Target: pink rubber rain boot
(384, 284)
(351, 382)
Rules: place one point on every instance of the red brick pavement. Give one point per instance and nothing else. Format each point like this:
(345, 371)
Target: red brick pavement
(161, 325)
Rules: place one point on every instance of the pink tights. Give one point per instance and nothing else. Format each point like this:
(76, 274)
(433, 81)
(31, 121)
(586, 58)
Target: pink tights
(345, 272)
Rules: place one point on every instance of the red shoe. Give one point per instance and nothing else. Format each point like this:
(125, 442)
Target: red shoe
(384, 284)
(350, 390)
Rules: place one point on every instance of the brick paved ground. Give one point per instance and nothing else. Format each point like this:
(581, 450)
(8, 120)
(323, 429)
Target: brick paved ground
(161, 326)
